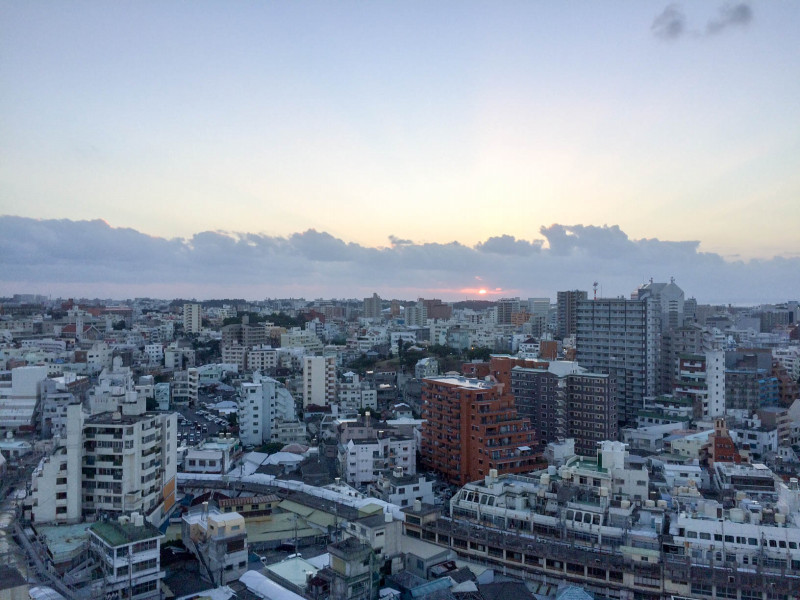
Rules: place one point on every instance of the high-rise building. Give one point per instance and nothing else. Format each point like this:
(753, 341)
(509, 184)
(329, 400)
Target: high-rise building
(749, 383)
(591, 409)
(471, 428)
(689, 339)
(669, 300)
(416, 315)
(373, 307)
(108, 464)
(258, 406)
(563, 401)
(701, 377)
(620, 337)
(319, 380)
(192, 318)
(539, 306)
(505, 308)
(567, 306)
(437, 309)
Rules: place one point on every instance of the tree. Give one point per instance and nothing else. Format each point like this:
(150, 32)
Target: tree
(480, 353)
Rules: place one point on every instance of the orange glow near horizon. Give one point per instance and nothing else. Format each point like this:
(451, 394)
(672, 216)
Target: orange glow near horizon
(483, 291)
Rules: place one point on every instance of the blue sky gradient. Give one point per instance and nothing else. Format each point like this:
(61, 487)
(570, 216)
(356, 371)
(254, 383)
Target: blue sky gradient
(431, 122)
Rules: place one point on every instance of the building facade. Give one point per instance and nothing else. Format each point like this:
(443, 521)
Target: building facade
(471, 427)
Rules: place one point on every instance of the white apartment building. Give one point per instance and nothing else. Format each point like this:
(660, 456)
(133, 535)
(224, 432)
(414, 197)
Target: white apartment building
(789, 358)
(129, 553)
(55, 495)
(416, 315)
(319, 380)
(178, 357)
(362, 461)
(402, 490)
(161, 393)
(192, 318)
(289, 432)
(302, 338)
(701, 377)
(426, 367)
(129, 463)
(407, 337)
(107, 463)
(18, 401)
(154, 353)
(99, 357)
(438, 331)
(259, 404)
(352, 394)
(185, 386)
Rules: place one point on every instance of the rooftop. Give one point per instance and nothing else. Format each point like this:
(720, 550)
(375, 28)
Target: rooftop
(115, 533)
(64, 539)
(463, 382)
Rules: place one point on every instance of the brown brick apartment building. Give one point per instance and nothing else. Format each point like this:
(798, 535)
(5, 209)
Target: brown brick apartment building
(471, 426)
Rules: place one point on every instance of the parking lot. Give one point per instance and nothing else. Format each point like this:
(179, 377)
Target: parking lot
(196, 425)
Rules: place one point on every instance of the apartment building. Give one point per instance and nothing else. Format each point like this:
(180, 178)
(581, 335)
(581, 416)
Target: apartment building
(564, 400)
(470, 427)
(259, 404)
(263, 359)
(185, 386)
(129, 463)
(590, 410)
(319, 380)
(218, 540)
(19, 400)
(567, 311)
(361, 461)
(620, 337)
(701, 378)
(352, 394)
(691, 338)
(192, 318)
(128, 551)
(373, 308)
(55, 494)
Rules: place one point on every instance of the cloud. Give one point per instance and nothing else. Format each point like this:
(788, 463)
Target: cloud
(670, 24)
(508, 244)
(94, 259)
(396, 241)
(730, 15)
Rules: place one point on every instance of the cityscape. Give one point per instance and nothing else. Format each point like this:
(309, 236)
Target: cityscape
(399, 300)
(640, 447)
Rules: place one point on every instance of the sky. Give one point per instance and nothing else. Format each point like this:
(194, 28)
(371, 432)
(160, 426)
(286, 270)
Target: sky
(268, 149)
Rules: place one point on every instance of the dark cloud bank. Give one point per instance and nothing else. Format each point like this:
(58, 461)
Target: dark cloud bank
(91, 258)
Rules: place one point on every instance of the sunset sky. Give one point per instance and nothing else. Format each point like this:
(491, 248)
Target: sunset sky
(634, 139)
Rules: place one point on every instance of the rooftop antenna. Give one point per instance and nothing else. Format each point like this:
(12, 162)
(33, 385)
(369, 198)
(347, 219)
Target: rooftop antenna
(594, 285)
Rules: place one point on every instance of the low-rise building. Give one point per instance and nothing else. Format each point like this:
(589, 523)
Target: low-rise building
(128, 552)
(218, 540)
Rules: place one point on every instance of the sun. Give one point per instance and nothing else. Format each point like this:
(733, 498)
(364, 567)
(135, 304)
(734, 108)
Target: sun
(482, 291)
